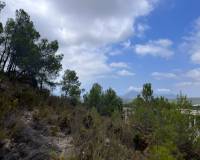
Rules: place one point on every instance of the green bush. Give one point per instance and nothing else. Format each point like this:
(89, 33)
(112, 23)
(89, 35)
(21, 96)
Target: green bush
(161, 153)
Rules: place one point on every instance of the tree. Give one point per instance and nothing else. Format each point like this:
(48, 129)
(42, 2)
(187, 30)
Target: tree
(94, 97)
(50, 62)
(183, 102)
(111, 102)
(161, 102)
(105, 102)
(20, 52)
(138, 101)
(1, 33)
(24, 56)
(71, 85)
(2, 5)
(6, 40)
(147, 92)
(24, 51)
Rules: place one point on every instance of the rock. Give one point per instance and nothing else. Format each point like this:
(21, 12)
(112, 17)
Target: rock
(38, 155)
(107, 142)
(33, 142)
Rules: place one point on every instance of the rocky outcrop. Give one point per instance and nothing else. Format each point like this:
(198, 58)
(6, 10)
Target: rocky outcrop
(33, 141)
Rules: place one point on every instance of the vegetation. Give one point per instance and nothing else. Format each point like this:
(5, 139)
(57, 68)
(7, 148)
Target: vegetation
(104, 102)
(101, 126)
(71, 86)
(24, 55)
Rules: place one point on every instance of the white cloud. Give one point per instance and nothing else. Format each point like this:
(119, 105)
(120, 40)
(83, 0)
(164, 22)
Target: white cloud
(192, 43)
(163, 90)
(161, 48)
(85, 63)
(141, 28)
(194, 74)
(160, 75)
(136, 89)
(125, 73)
(126, 44)
(84, 28)
(115, 52)
(191, 77)
(118, 65)
(187, 84)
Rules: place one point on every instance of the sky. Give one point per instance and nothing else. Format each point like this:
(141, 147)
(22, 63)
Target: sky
(123, 43)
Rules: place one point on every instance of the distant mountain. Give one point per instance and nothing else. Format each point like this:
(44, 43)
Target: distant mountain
(130, 95)
(167, 95)
(195, 100)
(133, 94)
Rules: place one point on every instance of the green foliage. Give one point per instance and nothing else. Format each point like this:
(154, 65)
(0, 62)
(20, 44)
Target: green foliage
(3, 134)
(71, 86)
(162, 102)
(161, 124)
(27, 97)
(146, 98)
(49, 62)
(96, 142)
(147, 92)
(154, 130)
(7, 105)
(111, 102)
(23, 52)
(105, 102)
(94, 97)
(2, 5)
(24, 56)
(161, 153)
(6, 38)
(1, 31)
(138, 101)
(183, 102)
(54, 130)
(16, 128)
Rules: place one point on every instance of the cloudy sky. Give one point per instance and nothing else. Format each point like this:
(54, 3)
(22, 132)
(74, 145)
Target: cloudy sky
(123, 43)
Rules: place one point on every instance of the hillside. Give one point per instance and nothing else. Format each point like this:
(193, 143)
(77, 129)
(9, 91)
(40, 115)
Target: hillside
(38, 126)
(26, 132)
(93, 123)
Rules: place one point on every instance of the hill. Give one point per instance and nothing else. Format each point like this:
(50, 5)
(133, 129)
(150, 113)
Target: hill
(195, 100)
(38, 126)
(133, 94)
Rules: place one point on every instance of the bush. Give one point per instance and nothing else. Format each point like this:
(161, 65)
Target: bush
(161, 153)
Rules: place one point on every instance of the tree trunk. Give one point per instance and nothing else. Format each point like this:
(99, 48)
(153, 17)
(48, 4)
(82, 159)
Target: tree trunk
(2, 56)
(5, 61)
(10, 66)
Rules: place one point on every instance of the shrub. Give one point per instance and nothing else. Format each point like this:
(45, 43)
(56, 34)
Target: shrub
(161, 153)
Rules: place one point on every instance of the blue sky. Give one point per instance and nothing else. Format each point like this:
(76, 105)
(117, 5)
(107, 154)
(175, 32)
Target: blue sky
(123, 43)
(173, 20)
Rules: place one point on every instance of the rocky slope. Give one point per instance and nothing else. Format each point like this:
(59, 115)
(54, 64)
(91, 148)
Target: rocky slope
(34, 141)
